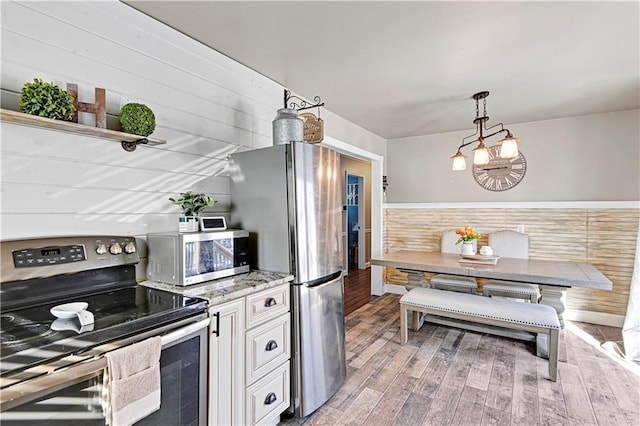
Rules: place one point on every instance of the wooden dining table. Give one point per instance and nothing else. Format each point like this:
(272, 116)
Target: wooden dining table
(552, 276)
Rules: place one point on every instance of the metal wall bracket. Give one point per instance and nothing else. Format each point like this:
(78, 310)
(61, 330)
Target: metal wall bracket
(131, 146)
(303, 104)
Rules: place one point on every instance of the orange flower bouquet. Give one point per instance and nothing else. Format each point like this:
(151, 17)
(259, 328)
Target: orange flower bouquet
(467, 234)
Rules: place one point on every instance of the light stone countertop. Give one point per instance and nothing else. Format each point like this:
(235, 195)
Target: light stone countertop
(226, 289)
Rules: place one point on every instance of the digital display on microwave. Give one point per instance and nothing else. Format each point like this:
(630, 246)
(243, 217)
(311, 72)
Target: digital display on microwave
(202, 257)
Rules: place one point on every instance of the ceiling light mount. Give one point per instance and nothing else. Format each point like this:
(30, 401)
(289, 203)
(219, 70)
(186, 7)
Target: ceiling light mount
(480, 95)
(508, 145)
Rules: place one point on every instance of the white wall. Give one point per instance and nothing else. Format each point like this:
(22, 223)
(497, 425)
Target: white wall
(206, 105)
(343, 130)
(587, 158)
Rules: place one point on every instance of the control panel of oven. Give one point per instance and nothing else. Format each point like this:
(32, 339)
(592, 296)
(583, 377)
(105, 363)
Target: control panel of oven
(48, 256)
(32, 258)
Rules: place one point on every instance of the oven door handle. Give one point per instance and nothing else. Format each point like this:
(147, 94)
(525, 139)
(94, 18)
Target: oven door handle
(44, 385)
(170, 338)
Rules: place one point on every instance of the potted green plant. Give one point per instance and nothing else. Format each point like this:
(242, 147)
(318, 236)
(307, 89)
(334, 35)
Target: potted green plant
(192, 204)
(45, 99)
(137, 119)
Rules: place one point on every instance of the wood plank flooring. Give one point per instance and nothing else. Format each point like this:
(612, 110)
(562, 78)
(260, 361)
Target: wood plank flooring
(448, 376)
(357, 288)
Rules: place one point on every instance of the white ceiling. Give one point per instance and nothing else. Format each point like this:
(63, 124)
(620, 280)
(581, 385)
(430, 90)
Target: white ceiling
(404, 69)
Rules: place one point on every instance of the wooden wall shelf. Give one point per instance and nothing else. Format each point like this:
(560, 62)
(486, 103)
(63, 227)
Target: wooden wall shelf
(128, 141)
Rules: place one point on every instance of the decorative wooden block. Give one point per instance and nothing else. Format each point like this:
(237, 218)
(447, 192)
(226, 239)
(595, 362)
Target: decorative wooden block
(99, 108)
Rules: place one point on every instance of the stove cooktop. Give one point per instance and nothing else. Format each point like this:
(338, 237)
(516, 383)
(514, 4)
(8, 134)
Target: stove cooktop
(28, 339)
(38, 274)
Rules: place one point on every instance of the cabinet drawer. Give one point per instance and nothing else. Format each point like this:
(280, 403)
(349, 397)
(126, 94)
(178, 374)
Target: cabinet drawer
(267, 346)
(267, 304)
(268, 397)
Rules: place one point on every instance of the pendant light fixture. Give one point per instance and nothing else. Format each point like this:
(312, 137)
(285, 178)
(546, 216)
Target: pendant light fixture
(508, 145)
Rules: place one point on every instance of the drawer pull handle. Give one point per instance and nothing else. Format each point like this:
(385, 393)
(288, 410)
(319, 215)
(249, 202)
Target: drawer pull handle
(270, 399)
(272, 345)
(270, 302)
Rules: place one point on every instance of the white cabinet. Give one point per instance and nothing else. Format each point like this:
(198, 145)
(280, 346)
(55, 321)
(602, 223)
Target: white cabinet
(267, 354)
(249, 380)
(268, 397)
(267, 304)
(267, 346)
(226, 364)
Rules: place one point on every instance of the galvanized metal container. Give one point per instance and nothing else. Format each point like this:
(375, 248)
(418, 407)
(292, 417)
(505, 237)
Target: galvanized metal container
(287, 127)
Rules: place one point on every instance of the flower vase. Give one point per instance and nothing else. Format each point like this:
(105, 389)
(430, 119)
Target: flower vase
(468, 248)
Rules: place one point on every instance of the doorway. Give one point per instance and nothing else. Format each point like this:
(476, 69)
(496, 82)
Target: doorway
(355, 222)
(356, 225)
(375, 163)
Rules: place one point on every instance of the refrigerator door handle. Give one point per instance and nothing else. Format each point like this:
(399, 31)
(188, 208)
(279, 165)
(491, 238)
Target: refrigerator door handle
(326, 279)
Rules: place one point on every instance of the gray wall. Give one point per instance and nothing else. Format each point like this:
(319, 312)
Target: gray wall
(587, 158)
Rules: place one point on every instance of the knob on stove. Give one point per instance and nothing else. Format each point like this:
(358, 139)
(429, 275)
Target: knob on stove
(130, 247)
(115, 248)
(101, 249)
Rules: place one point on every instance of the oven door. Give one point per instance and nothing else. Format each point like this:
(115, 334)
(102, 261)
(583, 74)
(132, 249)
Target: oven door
(74, 396)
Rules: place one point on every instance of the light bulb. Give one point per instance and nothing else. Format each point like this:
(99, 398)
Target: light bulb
(480, 155)
(509, 147)
(459, 162)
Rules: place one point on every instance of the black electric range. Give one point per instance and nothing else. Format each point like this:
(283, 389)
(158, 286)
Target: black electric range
(101, 273)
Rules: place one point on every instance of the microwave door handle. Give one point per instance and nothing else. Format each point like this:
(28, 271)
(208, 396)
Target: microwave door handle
(170, 338)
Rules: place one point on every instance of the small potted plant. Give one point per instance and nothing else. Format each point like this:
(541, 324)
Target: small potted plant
(192, 204)
(137, 119)
(45, 99)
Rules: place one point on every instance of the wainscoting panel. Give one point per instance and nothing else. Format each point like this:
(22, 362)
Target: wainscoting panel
(600, 236)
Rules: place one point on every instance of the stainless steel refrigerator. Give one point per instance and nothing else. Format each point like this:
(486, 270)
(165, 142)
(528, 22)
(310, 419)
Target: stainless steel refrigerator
(289, 199)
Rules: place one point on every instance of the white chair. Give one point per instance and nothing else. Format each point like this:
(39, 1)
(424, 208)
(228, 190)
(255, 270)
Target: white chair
(516, 245)
(453, 282)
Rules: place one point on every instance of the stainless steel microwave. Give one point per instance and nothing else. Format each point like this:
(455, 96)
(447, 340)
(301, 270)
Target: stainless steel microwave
(191, 258)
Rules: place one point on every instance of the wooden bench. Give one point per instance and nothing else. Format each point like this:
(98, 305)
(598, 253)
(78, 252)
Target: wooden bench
(534, 318)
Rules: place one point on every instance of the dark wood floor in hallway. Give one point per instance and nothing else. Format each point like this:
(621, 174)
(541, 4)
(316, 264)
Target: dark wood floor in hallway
(357, 288)
(448, 376)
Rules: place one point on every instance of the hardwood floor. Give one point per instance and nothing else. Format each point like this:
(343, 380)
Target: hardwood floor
(448, 376)
(357, 288)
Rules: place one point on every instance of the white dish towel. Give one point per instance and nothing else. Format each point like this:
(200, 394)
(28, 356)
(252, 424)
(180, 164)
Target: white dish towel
(132, 382)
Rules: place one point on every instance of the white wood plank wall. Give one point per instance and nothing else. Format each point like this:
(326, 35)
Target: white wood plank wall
(206, 105)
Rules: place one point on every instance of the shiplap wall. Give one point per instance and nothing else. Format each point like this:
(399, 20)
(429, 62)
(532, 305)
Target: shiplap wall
(604, 237)
(206, 106)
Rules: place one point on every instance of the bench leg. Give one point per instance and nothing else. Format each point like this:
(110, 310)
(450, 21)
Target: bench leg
(542, 345)
(554, 343)
(404, 332)
(417, 319)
